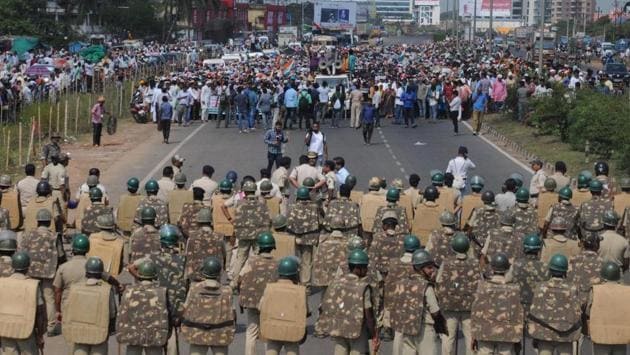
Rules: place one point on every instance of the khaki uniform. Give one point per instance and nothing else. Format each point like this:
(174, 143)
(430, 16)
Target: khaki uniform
(621, 201)
(109, 246)
(291, 348)
(273, 204)
(427, 340)
(176, 201)
(559, 244)
(56, 177)
(166, 187)
(304, 171)
(545, 201)
(39, 202)
(27, 188)
(370, 202)
(448, 198)
(126, 212)
(580, 196)
(69, 273)
(426, 220)
(561, 180)
(415, 195)
(613, 247)
(12, 203)
(303, 222)
(605, 326)
(469, 203)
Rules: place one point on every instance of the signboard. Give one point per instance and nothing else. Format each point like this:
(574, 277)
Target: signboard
(426, 2)
(502, 8)
(213, 105)
(335, 15)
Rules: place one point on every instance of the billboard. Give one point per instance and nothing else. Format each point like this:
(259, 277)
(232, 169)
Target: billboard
(502, 8)
(335, 15)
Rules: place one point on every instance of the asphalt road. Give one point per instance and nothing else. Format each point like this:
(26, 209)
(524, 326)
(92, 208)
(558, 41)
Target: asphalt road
(396, 152)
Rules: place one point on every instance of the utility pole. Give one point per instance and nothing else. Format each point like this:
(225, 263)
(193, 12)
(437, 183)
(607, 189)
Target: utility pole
(491, 18)
(542, 36)
(456, 11)
(474, 31)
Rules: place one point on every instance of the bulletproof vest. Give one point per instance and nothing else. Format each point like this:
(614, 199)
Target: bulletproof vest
(110, 252)
(555, 314)
(408, 309)
(397, 270)
(402, 227)
(209, 317)
(406, 202)
(5, 266)
(143, 317)
(126, 212)
(356, 196)
(84, 203)
(469, 203)
(370, 203)
(18, 306)
(569, 212)
(41, 245)
(456, 289)
(145, 241)
(446, 199)
(526, 220)
(188, 219)
(160, 207)
(496, 313)
(86, 315)
(594, 209)
(285, 245)
(251, 217)
(176, 201)
(425, 221)
(608, 323)
(348, 210)
(283, 312)
(330, 253)
(30, 215)
(385, 248)
(171, 275)
(219, 221)
(11, 201)
(585, 273)
(88, 224)
(201, 245)
(528, 273)
(341, 307)
(303, 218)
(263, 271)
(506, 242)
(440, 245)
(273, 205)
(579, 197)
(487, 219)
(620, 202)
(545, 201)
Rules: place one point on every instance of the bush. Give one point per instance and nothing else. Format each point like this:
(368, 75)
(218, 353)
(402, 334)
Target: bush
(550, 113)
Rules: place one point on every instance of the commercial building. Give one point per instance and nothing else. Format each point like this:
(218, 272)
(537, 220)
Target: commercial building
(427, 12)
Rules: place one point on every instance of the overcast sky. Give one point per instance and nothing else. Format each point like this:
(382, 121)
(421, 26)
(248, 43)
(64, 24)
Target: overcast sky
(605, 5)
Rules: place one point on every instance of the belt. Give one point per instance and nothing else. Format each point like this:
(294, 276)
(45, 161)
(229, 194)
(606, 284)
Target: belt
(533, 195)
(56, 189)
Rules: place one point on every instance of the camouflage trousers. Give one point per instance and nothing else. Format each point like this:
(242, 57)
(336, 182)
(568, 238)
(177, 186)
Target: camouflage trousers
(252, 331)
(203, 350)
(426, 342)
(495, 348)
(453, 321)
(555, 347)
(85, 349)
(274, 348)
(26, 346)
(148, 350)
(602, 349)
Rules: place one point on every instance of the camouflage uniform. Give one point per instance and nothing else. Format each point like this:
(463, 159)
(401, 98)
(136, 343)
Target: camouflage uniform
(439, 244)
(251, 217)
(584, 272)
(5, 266)
(559, 244)
(528, 271)
(385, 248)
(555, 317)
(330, 253)
(401, 215)
(504, 240)
(349, 211)
(526, 218)
(203, 243)
(398, 269)
(43, 247)
(303, 222)
(481, 221)
(88, 223)
(625, 222)
(567, 211)
(594, 209)
(188, 219)
(145, 241)
(209, 319)
(160, 207)
(5, 222)
(456, 285)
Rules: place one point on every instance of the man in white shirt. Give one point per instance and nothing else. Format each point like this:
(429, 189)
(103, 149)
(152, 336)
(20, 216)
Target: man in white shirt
(398, 110)
(538, 180)
(460, 165)
(27, 187)
(166, 184)
(206, 94)
(324, 92)
(316, 142)
(206, 183)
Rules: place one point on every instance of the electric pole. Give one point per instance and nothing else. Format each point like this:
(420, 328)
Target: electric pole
(474, 31)
(491, 18)
(542, 37)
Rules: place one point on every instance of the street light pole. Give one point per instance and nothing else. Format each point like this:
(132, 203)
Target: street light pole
(542, 36)
(474, 31)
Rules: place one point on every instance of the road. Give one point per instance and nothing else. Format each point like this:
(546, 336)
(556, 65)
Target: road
(396, 152)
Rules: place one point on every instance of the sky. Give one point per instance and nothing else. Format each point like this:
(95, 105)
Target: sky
(605, 5)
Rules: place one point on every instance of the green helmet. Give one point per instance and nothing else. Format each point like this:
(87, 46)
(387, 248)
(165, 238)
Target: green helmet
(96, 194)
(351, 180)
(44, 215)
(279, 221)
(431, 193)
(358, 257)
(204, 215)
(5, 180)
(437, 179)
(507, 219)
(266, 240)
(411, 243)
(447, 219)
(309, 183)
(288, 267)
(500, 262)
(80, 244)
(522, 195)
(20, 261)
(611, 218)
(356, 243)
(151, 187)
(225, 186)
(583, 181)
(610, 271)
(169, 235)
(147, 270)
(393, 195)
(8, 240)
(421, 258)
(266, 186)
(477, 182)
(133, 184)
(249, 186)
(460, 243)
(180, 179)
(565, 193)
(105, 221)
(92, 181)
(303, 193)
(147, 214)
(532, 242)
(94, 265)
(550, 184)
(487, 197)
(559, 263)
(518, 178)
(211, 268)
(624, 183)
(596, 186)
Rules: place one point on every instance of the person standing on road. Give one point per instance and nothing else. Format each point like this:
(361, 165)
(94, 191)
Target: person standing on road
(522, 94)
(480, 104)
(316, 142)
(356, 96)
(274, 138)
(291, 104)
(98, 111)
(322, 106)
(455, 107)
(338, 100)
(376, 102)
(264, 106)
(459, 167)
(165, 115)
(367, 121)
(242, 110)
(409, 100)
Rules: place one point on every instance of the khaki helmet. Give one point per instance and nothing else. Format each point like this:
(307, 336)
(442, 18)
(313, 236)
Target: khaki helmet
(337, 222)
(447, 219)
(374, 183)
(356, 243)
(558, 224)
(204, 215)
(105, 221)
(180, 179)
(397, 184)
(279, 221)
(550, 184)
(44, 215)
(249, 186)
(266, 186)
(5, 180)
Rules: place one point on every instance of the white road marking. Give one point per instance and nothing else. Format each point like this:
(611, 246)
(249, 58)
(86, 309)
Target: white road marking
(419, 143)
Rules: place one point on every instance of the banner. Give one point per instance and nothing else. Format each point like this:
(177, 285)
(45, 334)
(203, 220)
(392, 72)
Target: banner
(213, 105)
(501, 8)
(335, 15)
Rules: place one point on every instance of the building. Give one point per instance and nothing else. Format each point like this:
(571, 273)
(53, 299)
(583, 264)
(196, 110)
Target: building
(560, 10)
(532, 11)
(394, 9)
(427, 12)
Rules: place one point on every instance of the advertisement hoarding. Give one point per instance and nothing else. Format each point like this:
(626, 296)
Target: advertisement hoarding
(502, 8)
(335, 15)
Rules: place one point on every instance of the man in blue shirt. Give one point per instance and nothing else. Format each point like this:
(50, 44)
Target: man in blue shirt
(242, 110)
(480, 102)
(291, 104)
(409, 100)
(166, 115)
(368, 113)
(274, 138)
(252, 96)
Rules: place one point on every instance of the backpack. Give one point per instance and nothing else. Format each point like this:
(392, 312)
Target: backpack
(303, 102)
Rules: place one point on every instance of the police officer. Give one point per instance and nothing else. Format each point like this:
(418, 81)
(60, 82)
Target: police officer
(273, 201)
(404, 200)
(285, 241)
(209, 319)
(528, 270)
(143, 317)
(8, 246)
(108, 244)
(426, 217)
(555, 316)
(482, 220)
(595, 208)
(187, 222)
(303, 222)
(370, 203)
(613, 247)
(472, 200)
(330, 253)
(70, 272)
(355, 195)
(584, 267)
(178, 197)
(583, 193)
(565, 209)
(448, 197)
(601, 175)
(621, 200)
(51, 148)
(126, 211)
(456, 281)
(347, 209)
(559, 242)
(440, 240)
(151, 200)
(502, 239)
(203, 243)
(546, 198)
(387, 243)
(96, 209)
(55, 174)
(28, 338)
(11, 206)
(392, 197)
(42, 201)
(145, 239)
(525, 215)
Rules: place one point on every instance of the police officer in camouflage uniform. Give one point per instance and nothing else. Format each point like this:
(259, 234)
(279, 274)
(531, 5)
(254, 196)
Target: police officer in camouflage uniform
(51, 148)
(152, 200)
(565, 209)
(584, 267)
(5, 220)
(187, 222)
(555, 316)
(558, 242)
(482, 220)
(347, 209)
(209, 319)
(601, 174)
(583, 193)
(502, 239)
(472, 200)
(96, 209)
(594, 209)
(528, 270)
(203, 243)
(145, 239)
(456, 281)
(8, 246)
(304, 222)
(331, 252)
(392, 196)
(439, 244)
(43, 200)
(524, 213)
